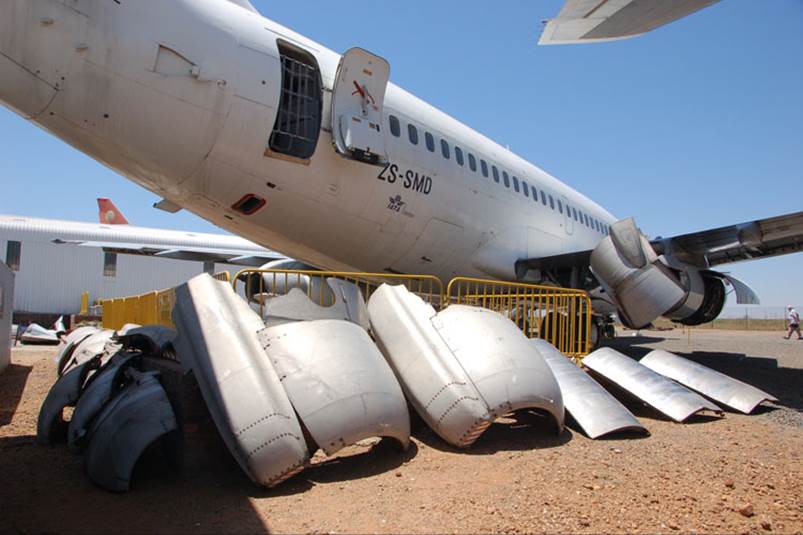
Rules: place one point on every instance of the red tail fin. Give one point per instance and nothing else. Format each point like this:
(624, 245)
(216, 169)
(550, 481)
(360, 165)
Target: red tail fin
(109, 214)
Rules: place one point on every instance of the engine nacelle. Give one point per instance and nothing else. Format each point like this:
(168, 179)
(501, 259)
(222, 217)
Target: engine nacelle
(644, 286)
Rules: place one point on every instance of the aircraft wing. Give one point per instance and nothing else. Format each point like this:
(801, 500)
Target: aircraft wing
(196, 254)
(755, 239)
(587, 21)
(708, 248)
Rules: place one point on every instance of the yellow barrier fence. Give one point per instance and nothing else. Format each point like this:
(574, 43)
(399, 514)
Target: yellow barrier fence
(152, 308)
(259, 284)
(562, 316)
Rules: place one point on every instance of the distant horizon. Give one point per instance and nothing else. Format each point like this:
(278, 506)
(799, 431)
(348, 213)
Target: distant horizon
(693, 126)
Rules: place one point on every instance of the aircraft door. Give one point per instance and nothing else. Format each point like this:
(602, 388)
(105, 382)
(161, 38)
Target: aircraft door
(568, 219)
(357, 98)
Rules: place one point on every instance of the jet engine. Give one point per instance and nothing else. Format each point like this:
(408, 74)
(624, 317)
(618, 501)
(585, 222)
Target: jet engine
(645, 286)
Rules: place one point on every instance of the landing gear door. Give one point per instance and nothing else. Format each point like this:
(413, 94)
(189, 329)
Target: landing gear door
(358, 94)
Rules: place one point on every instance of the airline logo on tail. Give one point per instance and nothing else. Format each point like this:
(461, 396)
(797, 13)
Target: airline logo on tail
(109, 214)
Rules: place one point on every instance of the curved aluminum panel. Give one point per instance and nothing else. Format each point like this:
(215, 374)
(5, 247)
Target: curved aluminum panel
(127, 425)
(594, 409)
(717, 386)
(80, 333)
(665, 395)
(348, 304)
(430, 375)
(508, 371)
(338, 382)
(65, 392)
(150, 339)
(88, 348)
(95, 396)
(217, 340)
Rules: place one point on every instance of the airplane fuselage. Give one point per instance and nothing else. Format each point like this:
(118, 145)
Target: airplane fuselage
(181, 96)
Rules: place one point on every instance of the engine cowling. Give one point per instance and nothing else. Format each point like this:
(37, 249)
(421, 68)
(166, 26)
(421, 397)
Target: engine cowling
(645, 286)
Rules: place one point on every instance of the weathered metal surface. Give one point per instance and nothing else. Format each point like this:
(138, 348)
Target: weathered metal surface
(218, 342)
(150, 339)
(435, 384)
(65, 392)
(36, 334)
(88, 348)
(460, 369)
(131, 421)
(713, 384)
(665, 395)
(338, 382)
(348, 304)
(594, 409)
(506, 369)
(107, 380)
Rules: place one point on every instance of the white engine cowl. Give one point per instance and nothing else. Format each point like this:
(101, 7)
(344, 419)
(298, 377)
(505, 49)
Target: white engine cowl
(644, 287)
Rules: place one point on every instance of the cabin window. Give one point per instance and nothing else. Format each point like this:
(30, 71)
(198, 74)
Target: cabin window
(110, 265)
(496, 174)
(430, 141)
(458, 155)
(395, 126)
(412, 133)
(472, 162)
(445, 149)
(543, 198)
(484, 168)
(585, 216)
(13, 255)
(516, 184)
(560, 206)
(551, 202)
(298, 119)
(506, 178)
(525, 188)
(574, 212)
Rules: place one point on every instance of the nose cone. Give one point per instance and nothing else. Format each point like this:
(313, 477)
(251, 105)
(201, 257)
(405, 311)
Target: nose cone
(20, 87)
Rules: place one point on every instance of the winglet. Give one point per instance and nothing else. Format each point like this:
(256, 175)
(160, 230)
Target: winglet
(109, 214)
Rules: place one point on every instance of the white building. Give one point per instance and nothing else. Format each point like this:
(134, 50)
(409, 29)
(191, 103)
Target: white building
(56, 261)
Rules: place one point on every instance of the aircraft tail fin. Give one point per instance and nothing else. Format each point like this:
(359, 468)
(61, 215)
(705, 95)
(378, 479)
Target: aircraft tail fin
(109, 214)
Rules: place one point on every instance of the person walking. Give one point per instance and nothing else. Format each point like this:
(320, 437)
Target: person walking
(794, 322)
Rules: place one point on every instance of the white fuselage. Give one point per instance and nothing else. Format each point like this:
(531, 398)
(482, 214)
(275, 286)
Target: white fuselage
(181, 97)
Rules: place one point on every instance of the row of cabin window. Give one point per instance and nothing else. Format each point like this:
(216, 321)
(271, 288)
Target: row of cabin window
(522, 186)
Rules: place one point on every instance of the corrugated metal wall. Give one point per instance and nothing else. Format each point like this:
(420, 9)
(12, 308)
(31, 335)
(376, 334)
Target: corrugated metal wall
(52, 276)
(6, 306)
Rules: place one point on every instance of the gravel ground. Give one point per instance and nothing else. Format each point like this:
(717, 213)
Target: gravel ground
(736, 474)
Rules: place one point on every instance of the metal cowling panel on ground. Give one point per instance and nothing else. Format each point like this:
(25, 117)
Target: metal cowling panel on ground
(661, 393)
(218, 342)
(717, 386)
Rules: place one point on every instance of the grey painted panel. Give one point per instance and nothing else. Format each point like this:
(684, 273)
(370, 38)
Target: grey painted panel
(6, 309)
(343, 302)
(128, 424)
(338, 382)
(94, 397)
(218, 341)
(593, 407)
(711, 383)
(665, 395)
(508, 371)
(65, 392)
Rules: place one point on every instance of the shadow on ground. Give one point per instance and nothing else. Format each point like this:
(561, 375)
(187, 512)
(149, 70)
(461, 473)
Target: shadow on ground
(523, 430)
(12, 383)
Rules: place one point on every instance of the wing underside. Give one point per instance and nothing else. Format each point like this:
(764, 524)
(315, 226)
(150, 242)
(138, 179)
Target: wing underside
(585, 21)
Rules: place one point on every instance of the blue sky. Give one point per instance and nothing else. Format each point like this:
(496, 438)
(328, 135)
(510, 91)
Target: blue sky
(696, 125)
